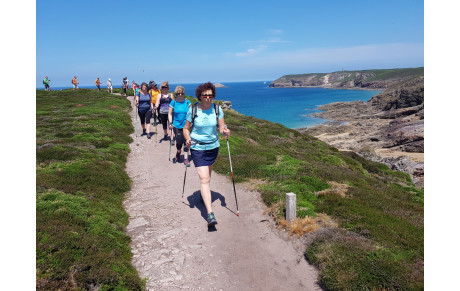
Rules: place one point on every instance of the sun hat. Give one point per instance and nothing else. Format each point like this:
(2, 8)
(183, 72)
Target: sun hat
(152, 83)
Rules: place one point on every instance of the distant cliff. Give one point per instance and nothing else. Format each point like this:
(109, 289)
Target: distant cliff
(367, 79)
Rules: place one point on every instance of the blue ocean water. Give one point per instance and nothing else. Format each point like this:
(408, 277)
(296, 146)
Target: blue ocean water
(287, 106)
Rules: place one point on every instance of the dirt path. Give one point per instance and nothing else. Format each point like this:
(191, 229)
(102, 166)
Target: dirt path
(172, 246)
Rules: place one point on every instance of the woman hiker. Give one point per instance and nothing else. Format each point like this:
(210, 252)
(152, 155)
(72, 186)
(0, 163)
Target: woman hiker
(163, 100)
(178, 109)
(145, 108)
(203, 140)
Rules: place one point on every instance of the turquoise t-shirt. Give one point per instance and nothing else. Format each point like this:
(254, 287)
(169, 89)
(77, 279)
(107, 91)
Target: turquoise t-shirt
(205, 130)
(180, 112)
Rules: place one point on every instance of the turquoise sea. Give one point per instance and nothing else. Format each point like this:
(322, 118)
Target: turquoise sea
(288, 106)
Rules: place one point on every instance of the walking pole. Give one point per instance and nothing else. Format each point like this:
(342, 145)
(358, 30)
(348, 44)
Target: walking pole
(156, 126)
(185, 175)
(233, 180)
(137, 109)
(170, 141)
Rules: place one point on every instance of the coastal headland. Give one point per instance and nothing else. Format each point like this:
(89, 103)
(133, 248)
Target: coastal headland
(389, 128)
(364, 79)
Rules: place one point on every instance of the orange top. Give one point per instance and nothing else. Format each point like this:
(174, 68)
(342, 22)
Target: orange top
(98, 82)
(154, 94)
(74, 81)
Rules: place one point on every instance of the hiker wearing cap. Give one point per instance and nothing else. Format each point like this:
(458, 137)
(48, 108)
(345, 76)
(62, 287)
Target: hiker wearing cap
(109, 86)
(201, 135)
(145, 107)
(75, 83)
(98, 84)
(153, 90)
(46, 82)
(177, 114)
(162, 104)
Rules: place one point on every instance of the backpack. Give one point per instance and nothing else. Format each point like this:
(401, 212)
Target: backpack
(195, 113)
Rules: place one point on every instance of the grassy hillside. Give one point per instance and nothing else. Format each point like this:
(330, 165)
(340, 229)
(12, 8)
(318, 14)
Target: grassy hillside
(368, 219)
(82, 147)
(379, 241)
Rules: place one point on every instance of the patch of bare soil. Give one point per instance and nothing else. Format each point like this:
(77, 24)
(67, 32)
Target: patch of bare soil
(174, 249)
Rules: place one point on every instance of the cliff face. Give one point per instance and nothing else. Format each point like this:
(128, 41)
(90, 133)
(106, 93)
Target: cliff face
(369, 79)
(389, 128)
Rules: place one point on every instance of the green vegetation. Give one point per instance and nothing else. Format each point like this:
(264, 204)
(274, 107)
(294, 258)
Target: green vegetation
(379, 244)
(81, 182)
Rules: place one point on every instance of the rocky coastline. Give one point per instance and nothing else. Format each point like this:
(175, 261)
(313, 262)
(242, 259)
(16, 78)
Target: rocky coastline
(389, 128)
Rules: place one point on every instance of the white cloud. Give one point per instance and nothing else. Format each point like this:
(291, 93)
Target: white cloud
(269, 40)
(275, 31)
(399, 53)
(251, 51)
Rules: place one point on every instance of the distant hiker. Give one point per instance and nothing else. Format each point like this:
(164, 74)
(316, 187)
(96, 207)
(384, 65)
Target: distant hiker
(109, 86)
(145, 108)
(162, 104)
(178, 109)
(75, 83)
(153, 90)
(46, 82)
(203, 140)
(98, 84)
(137, 89)
(124, 85)
(134, 86)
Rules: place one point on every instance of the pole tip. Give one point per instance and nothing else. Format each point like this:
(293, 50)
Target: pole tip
(237, 213)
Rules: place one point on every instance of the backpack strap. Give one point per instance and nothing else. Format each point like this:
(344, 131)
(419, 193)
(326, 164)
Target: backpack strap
(216, 110)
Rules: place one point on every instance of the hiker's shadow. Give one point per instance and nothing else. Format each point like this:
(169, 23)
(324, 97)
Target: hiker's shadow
(195, 201)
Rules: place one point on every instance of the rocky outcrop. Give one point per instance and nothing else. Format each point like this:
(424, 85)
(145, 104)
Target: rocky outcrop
(226, 104)
(219, 85)
(369, 79)
(389, 128)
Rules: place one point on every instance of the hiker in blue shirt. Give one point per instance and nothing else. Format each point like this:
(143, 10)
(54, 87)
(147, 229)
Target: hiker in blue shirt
(177, 114)
(200, 132)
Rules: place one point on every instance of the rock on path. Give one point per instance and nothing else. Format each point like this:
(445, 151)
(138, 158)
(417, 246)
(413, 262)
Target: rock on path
(172, 246)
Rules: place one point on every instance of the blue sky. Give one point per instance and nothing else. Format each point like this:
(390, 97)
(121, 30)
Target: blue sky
(197, 41)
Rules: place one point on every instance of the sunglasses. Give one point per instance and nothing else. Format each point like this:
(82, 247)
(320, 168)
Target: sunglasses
(207, 95)
(179, 93)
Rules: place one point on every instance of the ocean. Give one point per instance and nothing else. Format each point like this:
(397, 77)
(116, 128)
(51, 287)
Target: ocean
(287, 106)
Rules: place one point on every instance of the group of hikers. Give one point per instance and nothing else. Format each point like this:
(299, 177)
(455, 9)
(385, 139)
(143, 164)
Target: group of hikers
(192, 127)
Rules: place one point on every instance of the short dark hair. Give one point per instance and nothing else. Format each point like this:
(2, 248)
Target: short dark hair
(205, 87)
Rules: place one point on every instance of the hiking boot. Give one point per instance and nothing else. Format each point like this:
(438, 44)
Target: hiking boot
(211, 219)
(144, 132)
(165, 137)
(177, 157)
(149, 135)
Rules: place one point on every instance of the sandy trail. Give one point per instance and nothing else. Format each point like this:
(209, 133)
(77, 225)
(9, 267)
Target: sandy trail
(172, 246)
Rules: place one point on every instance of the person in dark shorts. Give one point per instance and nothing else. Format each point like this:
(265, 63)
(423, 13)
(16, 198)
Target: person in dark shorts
(124, 86)
(46, 82)
(145, 108)
(178, 109)
(202, 138)
(163, 100)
